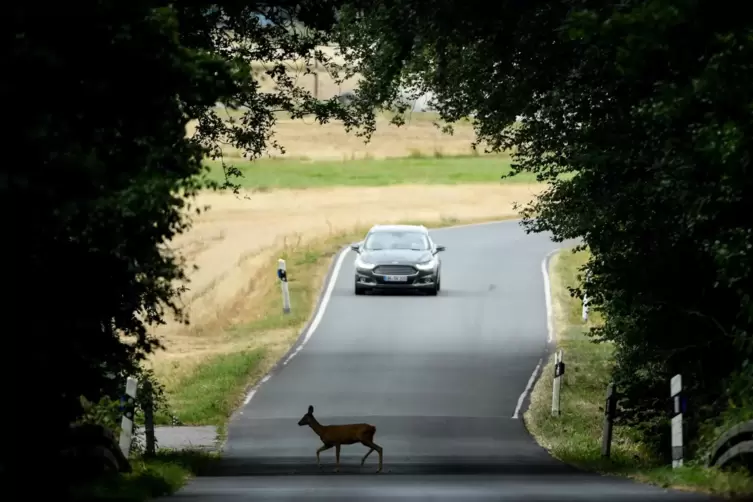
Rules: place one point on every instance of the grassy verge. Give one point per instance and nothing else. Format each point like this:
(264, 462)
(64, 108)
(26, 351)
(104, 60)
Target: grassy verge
(269, 174)
(209, 394)
(575, 436)
(217, 387)
(151, 478)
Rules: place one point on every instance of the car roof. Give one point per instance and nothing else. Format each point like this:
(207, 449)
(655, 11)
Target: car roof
(399, 228)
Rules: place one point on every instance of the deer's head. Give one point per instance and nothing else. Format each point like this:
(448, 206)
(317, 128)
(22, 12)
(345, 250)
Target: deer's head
(306, 420)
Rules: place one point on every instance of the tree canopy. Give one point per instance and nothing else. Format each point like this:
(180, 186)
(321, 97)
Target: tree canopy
(103, 92)
(645, 107)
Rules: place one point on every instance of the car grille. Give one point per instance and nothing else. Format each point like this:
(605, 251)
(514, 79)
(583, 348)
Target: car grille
(394, 270)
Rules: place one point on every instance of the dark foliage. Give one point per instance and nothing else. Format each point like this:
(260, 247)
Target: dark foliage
(647, 107)
(101, 176)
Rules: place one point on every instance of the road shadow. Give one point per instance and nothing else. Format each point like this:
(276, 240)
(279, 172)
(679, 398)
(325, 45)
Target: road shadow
(425, 466)
(453, 293)
(468, 478)
(396, 292)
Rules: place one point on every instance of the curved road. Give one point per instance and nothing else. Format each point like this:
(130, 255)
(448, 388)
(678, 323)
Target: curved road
(440, 377)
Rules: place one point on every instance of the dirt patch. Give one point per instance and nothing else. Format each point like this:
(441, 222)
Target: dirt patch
(235, 246)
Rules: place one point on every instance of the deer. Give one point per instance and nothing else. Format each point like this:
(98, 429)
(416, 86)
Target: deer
(338, 435)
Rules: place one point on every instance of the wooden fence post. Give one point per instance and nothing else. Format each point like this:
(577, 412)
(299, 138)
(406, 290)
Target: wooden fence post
(610, 408)
(149, 419)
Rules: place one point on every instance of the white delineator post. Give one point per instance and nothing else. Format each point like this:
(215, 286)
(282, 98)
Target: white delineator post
(126, 424)
(584, 314)
(675, 390)
(559, 370)
(282, 273)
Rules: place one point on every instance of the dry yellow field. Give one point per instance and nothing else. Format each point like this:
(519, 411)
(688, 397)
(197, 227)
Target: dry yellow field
(304, 139)
(331, 142)
(235, 246)
(309, 140)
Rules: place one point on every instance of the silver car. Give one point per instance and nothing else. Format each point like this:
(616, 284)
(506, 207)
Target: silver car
(398, 257)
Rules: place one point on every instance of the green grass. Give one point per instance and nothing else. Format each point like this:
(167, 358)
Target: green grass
(575, 436)
(207, 396)
(268, 174)
(155, 477)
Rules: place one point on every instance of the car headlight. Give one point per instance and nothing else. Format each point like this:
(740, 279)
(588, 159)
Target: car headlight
(429, 265)
(360, 264)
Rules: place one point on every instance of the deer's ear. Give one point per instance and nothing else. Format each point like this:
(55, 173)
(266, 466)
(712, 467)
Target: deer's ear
(311, 409)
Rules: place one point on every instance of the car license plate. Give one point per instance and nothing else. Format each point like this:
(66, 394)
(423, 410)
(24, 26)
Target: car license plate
(395, 278)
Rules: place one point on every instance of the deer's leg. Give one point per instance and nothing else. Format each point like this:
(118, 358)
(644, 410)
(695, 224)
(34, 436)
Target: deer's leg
(374, 446)
(321, 449)
(337, 457)
(367, 454)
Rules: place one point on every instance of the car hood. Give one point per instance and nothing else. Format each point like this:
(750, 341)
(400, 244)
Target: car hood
(391, 256)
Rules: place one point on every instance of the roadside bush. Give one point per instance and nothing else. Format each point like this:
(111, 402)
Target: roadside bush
(105, 412)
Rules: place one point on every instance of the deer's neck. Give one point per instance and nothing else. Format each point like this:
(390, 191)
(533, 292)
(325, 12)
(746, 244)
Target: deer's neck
(316, 426)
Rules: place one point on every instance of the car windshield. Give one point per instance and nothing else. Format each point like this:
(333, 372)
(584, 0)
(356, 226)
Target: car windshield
(396, 240)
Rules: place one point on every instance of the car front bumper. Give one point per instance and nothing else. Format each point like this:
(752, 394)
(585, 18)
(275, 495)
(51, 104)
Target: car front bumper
(422, 279)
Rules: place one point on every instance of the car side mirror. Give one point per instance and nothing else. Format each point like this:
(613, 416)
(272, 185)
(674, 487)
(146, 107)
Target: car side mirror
(440, 248)
(356, 247)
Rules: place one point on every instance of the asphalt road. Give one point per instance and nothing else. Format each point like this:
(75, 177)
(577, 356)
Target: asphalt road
(441, 378)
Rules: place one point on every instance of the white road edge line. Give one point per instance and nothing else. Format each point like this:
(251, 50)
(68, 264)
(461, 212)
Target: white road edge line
(549, 330)
(323, 306)
(314, 324)
(522, 397)
(548, 296)
(249, 397)
(251, 393)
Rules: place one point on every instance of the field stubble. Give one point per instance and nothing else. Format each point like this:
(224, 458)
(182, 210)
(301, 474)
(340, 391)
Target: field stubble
(305, 139)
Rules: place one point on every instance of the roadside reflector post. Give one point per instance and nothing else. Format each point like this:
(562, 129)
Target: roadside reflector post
(584, 312)
(559, 371)
(128, 406)
(282, 274)
(675, 392)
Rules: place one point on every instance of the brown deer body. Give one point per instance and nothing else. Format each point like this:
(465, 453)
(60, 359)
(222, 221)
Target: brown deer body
(338, 435)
